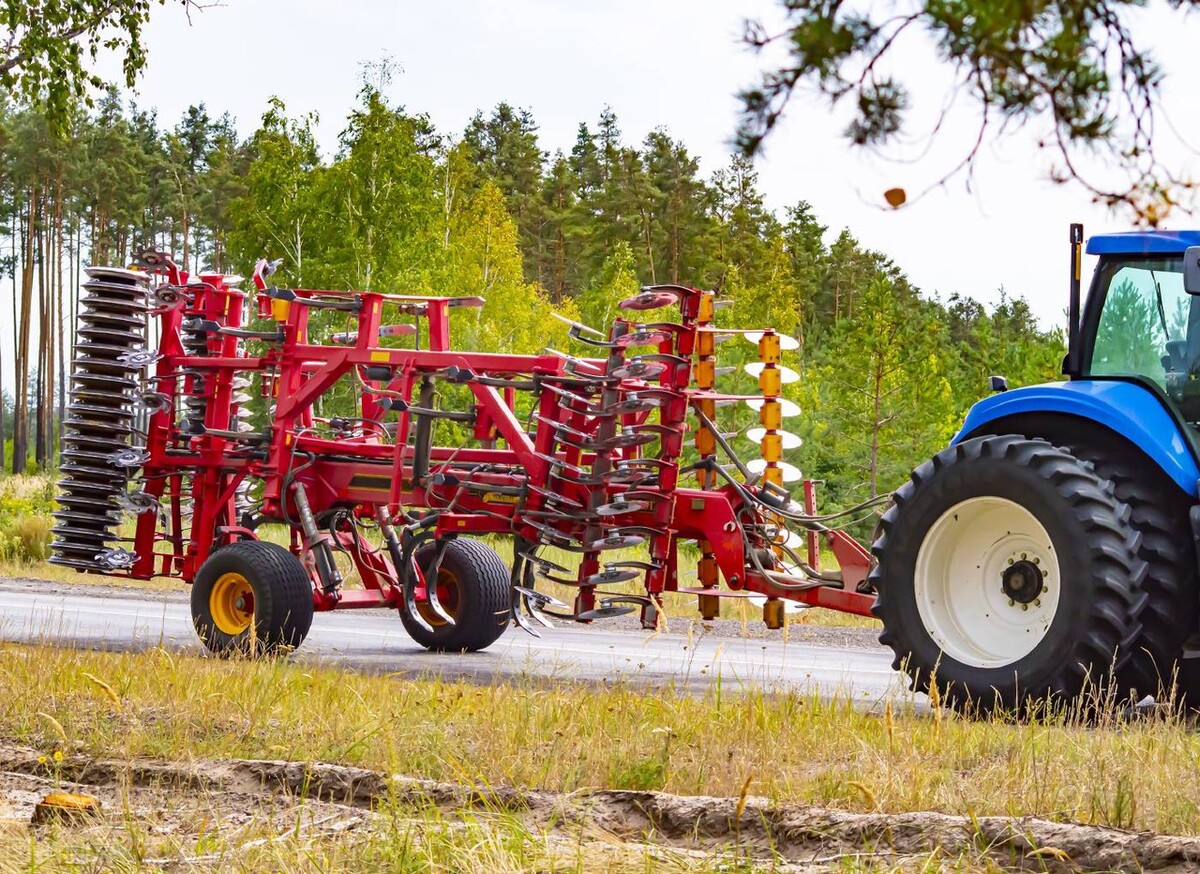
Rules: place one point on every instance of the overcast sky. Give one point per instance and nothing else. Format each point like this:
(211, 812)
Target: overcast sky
(664, 63)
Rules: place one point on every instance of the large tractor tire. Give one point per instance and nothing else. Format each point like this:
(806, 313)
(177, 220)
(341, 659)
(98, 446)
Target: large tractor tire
(1159, 512)
(473, 588)
(252, 598)
(1007, 574)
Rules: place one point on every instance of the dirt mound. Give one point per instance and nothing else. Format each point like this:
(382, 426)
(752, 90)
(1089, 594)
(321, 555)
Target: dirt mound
(802, 838)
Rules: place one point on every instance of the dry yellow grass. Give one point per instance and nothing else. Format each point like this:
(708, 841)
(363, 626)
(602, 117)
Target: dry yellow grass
(794, 747)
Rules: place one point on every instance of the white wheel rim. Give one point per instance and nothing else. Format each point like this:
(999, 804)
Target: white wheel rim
(960, 582)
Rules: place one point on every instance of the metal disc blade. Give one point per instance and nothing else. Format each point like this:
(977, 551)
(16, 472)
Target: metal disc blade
(79, 536)
(617, 541)
(786, 341)
(616, 508)
(98, 412)
(118, 384)
(89, 487)
(84, 564)
(612, 575)
(101, 271)
(104, 367)
(84, 470)
(74, 503)
(791, 473)
(605, 612)
(787, 409)
(639, 370)
(790, 440)
(786, 374)
(649, 300)
(110, 335)
(643, 337)
(117, 319)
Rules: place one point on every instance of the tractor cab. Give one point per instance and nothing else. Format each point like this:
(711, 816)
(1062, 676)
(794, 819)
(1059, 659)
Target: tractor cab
(1140, 324)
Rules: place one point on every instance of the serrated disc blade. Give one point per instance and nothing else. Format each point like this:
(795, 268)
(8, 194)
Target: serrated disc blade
(786, 375)
(787, 342)
(120, 274)
(787, 409)
(605, 612)
(791, 473)
(790, 440)
(118, 384)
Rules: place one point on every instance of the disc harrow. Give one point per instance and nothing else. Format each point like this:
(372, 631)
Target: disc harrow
(598, 467)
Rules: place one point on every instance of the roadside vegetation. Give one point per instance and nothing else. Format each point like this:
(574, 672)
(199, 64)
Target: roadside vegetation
(782, 748)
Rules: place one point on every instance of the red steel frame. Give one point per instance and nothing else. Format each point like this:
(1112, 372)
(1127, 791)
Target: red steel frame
(368, 473)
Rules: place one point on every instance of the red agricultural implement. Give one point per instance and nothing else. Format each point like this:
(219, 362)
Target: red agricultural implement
(203, 429)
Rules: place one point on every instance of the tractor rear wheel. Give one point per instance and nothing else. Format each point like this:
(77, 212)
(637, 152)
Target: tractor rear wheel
(252, 598)
(473, 589)
(1007, 574)
(1159, 512)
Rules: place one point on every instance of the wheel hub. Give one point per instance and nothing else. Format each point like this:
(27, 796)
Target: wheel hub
(974, 545)
(232, 603)
(1022, 581)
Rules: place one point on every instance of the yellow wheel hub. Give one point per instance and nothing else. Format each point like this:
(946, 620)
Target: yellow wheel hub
(232, 603)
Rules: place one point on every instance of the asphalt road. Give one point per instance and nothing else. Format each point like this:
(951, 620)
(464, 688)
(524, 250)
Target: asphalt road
(837, 662)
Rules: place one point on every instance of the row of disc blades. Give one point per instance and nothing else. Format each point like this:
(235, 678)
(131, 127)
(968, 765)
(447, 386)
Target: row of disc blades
(99, 455)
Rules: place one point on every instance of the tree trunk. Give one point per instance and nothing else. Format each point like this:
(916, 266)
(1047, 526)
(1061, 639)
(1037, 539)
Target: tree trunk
(21, 411)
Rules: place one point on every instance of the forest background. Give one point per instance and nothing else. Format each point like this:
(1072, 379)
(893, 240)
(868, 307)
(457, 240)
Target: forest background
(886, 372)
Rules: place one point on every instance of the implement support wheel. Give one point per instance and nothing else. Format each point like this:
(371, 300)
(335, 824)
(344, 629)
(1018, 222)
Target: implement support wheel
(472, 587)
(252, 598)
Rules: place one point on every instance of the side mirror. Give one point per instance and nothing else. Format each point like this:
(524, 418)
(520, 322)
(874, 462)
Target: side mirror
(999, 383)
(1191, 270)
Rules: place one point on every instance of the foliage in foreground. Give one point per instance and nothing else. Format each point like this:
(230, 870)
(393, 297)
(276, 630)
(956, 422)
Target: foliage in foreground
(793, 746)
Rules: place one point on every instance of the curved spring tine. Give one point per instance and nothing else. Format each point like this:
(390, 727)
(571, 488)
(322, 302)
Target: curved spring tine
(518, 611)
(518, 607)
(535, 613)
(431, 597)
(542, 562)
(578, 325)
(410, 600)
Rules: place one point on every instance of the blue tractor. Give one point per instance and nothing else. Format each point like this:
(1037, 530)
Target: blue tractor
(1052, 548)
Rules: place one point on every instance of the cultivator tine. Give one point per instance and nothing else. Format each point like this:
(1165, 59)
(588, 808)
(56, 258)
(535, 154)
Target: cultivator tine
(431, 595)
(519, 607)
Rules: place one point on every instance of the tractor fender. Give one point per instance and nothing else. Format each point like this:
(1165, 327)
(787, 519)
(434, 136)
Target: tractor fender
(1126, 408)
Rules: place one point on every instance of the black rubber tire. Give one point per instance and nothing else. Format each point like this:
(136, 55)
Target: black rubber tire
(283, 599)
(1170, 583)
(483, 598)
(1101, 599)
(1159, 510)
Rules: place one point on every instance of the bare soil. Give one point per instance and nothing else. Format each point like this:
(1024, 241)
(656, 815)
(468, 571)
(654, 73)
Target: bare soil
(179, 799)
